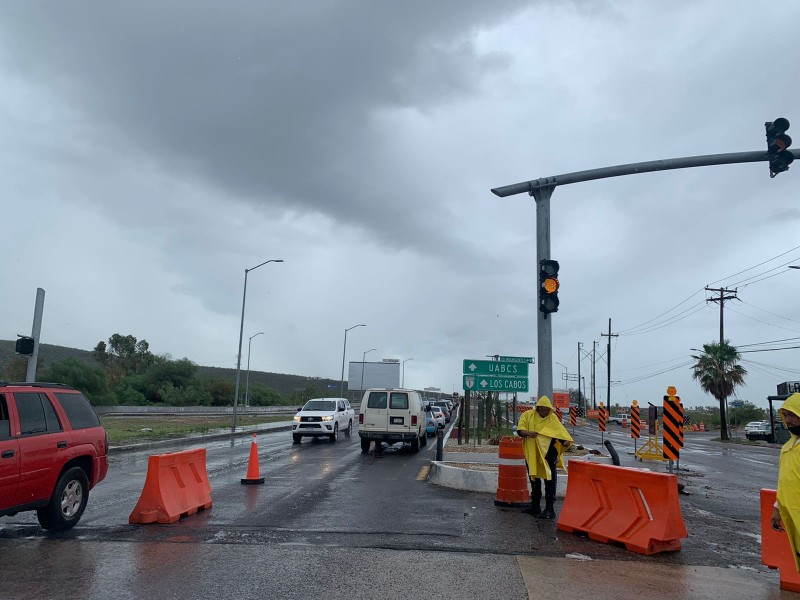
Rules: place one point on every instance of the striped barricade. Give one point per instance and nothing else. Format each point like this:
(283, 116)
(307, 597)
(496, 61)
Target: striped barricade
(512, 475)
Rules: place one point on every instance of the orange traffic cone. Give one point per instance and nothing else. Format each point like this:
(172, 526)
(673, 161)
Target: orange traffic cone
(702, 426)
(624, 422)
(253, 475)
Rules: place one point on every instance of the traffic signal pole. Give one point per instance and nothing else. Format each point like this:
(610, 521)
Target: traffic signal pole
(544, 325)
(542, 189)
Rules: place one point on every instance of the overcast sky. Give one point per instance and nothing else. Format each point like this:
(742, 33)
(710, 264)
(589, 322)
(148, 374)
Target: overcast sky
(151, 152)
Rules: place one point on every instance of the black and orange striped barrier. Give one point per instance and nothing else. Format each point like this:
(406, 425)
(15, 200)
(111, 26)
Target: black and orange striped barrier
(602, 417)
(673, 425)
(512, 475)
(559, 416)
(573, 415)
(776, 552)
(636, 426)
(639, 509)
(176, 485)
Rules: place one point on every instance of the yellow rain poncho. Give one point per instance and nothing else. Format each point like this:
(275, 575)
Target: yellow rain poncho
(789, 482)
(548, 429)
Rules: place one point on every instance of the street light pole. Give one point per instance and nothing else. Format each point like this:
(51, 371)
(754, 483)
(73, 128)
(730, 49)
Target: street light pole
(403, 380)
(363, 358)
(241, 334)
(344, 350)
(247, 378)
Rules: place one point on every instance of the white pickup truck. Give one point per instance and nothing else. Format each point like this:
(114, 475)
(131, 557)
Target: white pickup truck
(323, 417)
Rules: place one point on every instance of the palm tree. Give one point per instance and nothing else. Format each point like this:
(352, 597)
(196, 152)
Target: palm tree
(719, 372)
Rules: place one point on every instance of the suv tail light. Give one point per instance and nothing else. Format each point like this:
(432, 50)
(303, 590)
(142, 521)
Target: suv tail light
(106, 449)
(413, 419)
(361, 419)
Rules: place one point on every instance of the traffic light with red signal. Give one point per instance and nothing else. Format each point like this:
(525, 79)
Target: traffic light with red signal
(778, 146)
(548, 286)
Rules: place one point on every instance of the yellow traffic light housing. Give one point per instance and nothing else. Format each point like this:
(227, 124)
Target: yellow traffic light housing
(548, 286)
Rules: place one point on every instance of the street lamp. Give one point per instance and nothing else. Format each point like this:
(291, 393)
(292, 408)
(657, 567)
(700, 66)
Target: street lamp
(566, 373)
(247, 378)
(241, 333)
(403, 380)
(363, 358)
(344, 349)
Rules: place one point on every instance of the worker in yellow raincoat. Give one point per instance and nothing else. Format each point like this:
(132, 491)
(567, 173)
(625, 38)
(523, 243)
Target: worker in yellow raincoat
(786, 515)
(544, 440)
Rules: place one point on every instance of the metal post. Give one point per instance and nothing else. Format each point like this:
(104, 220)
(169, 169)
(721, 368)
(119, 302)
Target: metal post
(247, 378)
(544, 325)
(344, 350)
(363, 358)
(439, 444)
(239, 354)
(36, 330)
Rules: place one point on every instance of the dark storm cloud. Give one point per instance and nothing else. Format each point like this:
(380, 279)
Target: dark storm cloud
(274, 102)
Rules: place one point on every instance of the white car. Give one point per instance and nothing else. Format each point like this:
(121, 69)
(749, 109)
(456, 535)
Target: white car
(323, 417)
(757, 430)
(437, 414)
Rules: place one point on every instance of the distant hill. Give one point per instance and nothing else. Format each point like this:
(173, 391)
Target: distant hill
(282, 383)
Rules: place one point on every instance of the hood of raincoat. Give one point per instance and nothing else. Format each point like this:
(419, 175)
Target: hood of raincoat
(549, 426)
(792, 404)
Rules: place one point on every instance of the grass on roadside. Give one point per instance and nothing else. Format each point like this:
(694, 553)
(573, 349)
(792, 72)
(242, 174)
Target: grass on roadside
(131, 430)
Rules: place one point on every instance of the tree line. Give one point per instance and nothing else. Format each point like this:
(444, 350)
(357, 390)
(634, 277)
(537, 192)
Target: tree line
(129, 374)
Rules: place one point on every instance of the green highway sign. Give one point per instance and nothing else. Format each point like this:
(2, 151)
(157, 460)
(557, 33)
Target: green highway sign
(493, 383)
(517, 359)
(495, 367)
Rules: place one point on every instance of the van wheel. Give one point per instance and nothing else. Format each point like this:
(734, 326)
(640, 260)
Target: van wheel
(349, 431)
(424, 440)
(67, 502)
(365, 445)
(415, 445)
(335, 433)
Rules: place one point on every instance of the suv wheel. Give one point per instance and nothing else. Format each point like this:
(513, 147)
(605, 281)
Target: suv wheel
(296, 438)
(349, 431)
(365, 445)
(335, 433)
(67, 502)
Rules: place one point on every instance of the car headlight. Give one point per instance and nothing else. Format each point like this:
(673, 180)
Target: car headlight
(327, 418)
(296, 418)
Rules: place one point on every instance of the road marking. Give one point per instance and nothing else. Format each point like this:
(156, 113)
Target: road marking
(423, 473)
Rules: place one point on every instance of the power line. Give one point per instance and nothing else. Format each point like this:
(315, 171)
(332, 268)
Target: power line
(769, 313)
(764, 322)
(755, 266)
(662, 314)
(791, 339)
(696, 308)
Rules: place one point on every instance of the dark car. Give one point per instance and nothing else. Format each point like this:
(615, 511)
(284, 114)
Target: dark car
(53, 450)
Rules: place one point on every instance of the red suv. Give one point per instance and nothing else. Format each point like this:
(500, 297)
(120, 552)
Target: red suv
(53, 450)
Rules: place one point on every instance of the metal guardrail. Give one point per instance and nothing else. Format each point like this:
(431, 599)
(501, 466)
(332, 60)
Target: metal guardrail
(198, 410)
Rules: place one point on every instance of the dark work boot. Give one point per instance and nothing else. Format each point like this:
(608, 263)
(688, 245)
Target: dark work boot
(536, 498)
(549, 500)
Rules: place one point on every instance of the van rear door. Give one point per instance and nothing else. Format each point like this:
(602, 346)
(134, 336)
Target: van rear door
(399, 413)
(377, 415)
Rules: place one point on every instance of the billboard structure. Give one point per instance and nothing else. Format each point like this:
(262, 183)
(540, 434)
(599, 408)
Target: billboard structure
(374, 375)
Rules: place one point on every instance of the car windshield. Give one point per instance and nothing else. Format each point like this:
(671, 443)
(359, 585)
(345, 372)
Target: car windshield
(320, 405)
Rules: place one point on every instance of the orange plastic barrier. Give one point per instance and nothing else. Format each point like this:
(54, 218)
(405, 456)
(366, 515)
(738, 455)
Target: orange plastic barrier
(776, 552)
(512, 475)
(637, 508)
(176, 486)
(624, 422)
(253, 476)
(702, 426)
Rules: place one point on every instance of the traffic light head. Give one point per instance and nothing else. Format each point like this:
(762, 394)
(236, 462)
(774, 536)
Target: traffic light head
(778, 146)
(24, 345)
(548, 286)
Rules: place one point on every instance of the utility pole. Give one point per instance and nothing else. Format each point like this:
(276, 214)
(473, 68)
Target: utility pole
(722, 297)
(609, 335)
(721, 300)
(580, 402)
(594, 362)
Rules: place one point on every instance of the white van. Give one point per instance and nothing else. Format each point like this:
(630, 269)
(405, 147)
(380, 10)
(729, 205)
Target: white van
(391, 415)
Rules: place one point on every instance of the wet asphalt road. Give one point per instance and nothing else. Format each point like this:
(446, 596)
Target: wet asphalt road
(331, 520)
